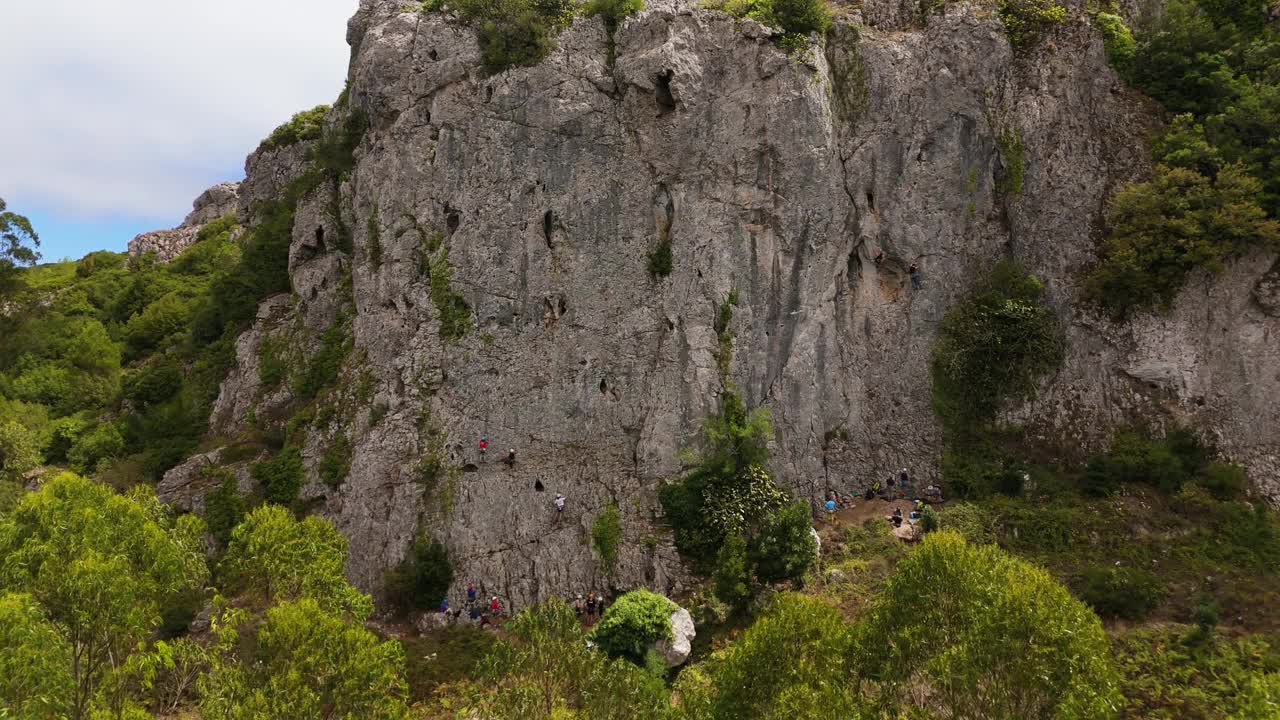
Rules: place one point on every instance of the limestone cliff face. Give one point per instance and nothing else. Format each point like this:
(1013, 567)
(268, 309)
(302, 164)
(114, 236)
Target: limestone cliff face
(773, 178)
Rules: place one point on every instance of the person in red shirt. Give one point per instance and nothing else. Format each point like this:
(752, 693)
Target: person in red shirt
(494, 608)
(484, 445)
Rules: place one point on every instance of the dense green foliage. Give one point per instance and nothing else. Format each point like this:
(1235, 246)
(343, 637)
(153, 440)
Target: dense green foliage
(1215, 192)
(1117, 38)
(793, 662)
(606, 534)
(302, 661)
(731, 578)
(1121, 592)
(543, 669)
(422, 579)
(1026, 21)
(18, 243)
(35, 662)
(514, 33)
(1167, 464)
(224, 508)
(304, 126)
(335, 464)
(784, 547)
(797, 19)
(280, 478)
(993, 347)
(100, 566)
(993, 636)
(632, 624)
(277, 557)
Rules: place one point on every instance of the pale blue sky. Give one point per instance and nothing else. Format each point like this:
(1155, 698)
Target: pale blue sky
(120, 112)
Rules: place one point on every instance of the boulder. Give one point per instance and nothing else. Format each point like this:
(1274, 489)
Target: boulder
(676, 651)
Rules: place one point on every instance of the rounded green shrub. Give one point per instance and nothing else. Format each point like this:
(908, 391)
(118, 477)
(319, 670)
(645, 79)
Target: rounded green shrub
(633, 623)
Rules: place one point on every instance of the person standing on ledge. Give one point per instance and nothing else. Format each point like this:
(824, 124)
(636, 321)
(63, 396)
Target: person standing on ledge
(914, 272)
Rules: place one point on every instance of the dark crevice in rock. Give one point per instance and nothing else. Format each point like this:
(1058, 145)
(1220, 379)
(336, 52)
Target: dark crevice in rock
(452, 219)
(662, 93)
(548, 224)
(538, 486)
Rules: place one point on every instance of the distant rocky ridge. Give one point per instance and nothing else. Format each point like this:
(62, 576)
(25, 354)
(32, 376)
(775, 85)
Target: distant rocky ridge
(212, 204)
(776, 181)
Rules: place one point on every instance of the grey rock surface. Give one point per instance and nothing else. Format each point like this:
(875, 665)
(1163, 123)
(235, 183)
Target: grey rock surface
(213, 203)
(677, 650)
(779, 178)
(165, 245)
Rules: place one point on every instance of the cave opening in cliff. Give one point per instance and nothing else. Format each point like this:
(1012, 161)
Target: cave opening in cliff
(538, 486)
(662, 93)
(320, 237)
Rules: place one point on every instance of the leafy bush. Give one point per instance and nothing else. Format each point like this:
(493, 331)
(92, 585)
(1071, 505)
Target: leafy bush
(153, 383)
(971, 521)
(1000, 634)
(606, 533)
(1132, 458)
(1013, 162)
(515, 32)
(422, 578)
(322, 371)
(454, 312)
(224, 508)
(89, 450)
(793, 662)
(19, 450)
(278, 557)
(1121, 592)
(1165, 228)
(304, 126)
(632, 623)
(731, 580)
(784, 547)
(1117, 38)
(993, 347)
(1224, 481)
(279, 478)
(796, 18)
(542, 667)
(1025, 21)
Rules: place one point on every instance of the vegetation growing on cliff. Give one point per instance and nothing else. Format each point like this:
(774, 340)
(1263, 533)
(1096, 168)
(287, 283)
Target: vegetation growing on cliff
(797, 19)
(303, 127)
(1214, 193)
(1026, 21)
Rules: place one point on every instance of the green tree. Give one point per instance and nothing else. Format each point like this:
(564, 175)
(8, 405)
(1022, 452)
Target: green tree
(35, 664)
(987, 634)
(19, 450)
(791, 663)
(281, 558)
(302, 661)
(784, 548)
(993, 347)
(18, 243)
(633, 623)
(731, 579)
(1176, 222)
(1261, 699)
(224, 508)
(280, 477)
(101, 565)
(542, 668)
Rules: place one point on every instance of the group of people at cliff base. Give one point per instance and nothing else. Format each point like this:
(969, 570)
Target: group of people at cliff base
(892, 489)
(486, 612)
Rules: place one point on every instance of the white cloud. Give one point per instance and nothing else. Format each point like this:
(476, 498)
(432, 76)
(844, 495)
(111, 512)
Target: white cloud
(132, 107)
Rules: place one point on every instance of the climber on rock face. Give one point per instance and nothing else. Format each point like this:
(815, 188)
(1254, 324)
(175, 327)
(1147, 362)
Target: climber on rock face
(914, 273)
(484, 445)
(559, 503)
(511, 458)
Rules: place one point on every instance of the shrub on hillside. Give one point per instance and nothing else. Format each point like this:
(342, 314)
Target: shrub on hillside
(279, 478)
(731, 580)
(1121, 592)
(784, 547)
(1025, 21)
(1117, 39)
(304, 126)
(1224, 481)
(633, 623)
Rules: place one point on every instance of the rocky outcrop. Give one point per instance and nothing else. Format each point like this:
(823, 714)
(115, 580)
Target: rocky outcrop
(537, 195)
(165, 245)
(184, 487)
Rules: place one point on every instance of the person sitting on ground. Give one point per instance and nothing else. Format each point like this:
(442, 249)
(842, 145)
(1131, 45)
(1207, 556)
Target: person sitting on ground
(868, 494)
(444, 605)
(577, 606)
(494, 608)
